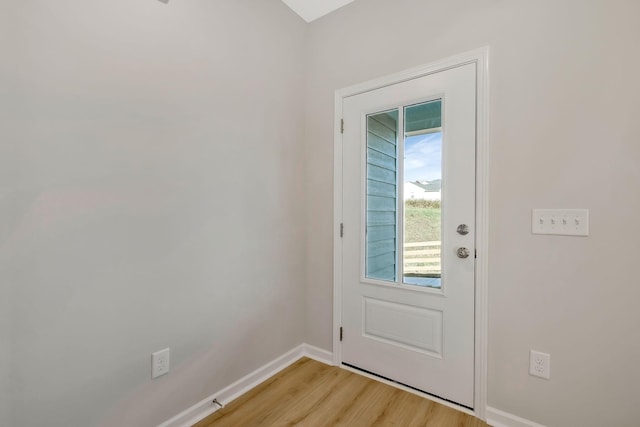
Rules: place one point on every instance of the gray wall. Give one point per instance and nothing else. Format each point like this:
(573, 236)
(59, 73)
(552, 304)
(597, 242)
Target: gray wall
(150, 197)
(564, 105)
(154, 161)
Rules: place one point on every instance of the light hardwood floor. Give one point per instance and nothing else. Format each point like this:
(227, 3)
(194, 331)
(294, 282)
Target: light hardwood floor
(310, 393)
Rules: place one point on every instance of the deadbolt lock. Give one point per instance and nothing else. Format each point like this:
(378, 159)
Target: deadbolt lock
(463, 229)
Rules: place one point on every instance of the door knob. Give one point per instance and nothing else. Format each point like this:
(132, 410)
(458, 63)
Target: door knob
(463, 253)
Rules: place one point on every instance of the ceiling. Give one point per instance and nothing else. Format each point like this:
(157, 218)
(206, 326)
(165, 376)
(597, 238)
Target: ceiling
(310, 10)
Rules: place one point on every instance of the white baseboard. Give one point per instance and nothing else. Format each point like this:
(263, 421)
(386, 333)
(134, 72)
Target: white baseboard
(315, 353)
(498, 418)
(206, 407)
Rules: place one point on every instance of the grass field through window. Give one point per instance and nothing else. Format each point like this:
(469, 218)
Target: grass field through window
(422, 221)
(422, 236)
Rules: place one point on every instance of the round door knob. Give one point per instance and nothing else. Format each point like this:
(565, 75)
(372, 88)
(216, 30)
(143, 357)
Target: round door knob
(463, 253)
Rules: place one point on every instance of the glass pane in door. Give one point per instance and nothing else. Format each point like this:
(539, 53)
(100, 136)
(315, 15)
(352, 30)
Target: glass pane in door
(381, 196)
(422, 194)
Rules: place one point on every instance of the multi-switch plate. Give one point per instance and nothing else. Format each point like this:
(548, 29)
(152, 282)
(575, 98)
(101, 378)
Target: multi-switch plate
(566, 222)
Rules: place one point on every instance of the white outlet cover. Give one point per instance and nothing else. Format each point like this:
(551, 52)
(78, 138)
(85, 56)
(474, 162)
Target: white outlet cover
(540, 364)
(160, 363)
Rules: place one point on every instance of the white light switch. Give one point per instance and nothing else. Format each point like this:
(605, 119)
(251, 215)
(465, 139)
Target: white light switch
(565, 222)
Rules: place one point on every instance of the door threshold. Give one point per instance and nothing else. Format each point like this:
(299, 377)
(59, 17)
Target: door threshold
(414, 390)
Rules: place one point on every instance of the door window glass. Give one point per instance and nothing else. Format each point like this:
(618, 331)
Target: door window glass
(419, 168)
(422, 187)
(381, 196)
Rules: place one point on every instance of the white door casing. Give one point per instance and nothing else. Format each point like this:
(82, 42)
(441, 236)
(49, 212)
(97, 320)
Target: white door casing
(432, 340)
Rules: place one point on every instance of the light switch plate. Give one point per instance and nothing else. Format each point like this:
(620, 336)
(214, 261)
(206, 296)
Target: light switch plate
(565, 222)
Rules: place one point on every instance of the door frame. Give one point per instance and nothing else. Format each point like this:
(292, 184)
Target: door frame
(481, 58)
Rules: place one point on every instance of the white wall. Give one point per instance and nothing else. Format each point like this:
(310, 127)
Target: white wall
(564, 105)
(129, 132)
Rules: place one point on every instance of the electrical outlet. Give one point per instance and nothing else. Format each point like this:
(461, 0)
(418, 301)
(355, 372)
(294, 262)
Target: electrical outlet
(539, 364)
(159, 363)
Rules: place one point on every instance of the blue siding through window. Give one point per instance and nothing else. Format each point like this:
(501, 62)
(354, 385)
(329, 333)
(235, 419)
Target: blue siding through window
(381, 196)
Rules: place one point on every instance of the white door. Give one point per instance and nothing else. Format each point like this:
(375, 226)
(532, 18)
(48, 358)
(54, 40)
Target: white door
(409, 232)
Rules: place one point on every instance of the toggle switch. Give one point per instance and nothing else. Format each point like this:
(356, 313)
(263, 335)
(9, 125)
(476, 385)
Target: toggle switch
(565, 222)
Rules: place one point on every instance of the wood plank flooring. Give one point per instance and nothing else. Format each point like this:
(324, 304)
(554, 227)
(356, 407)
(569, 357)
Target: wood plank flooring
(312, 394)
